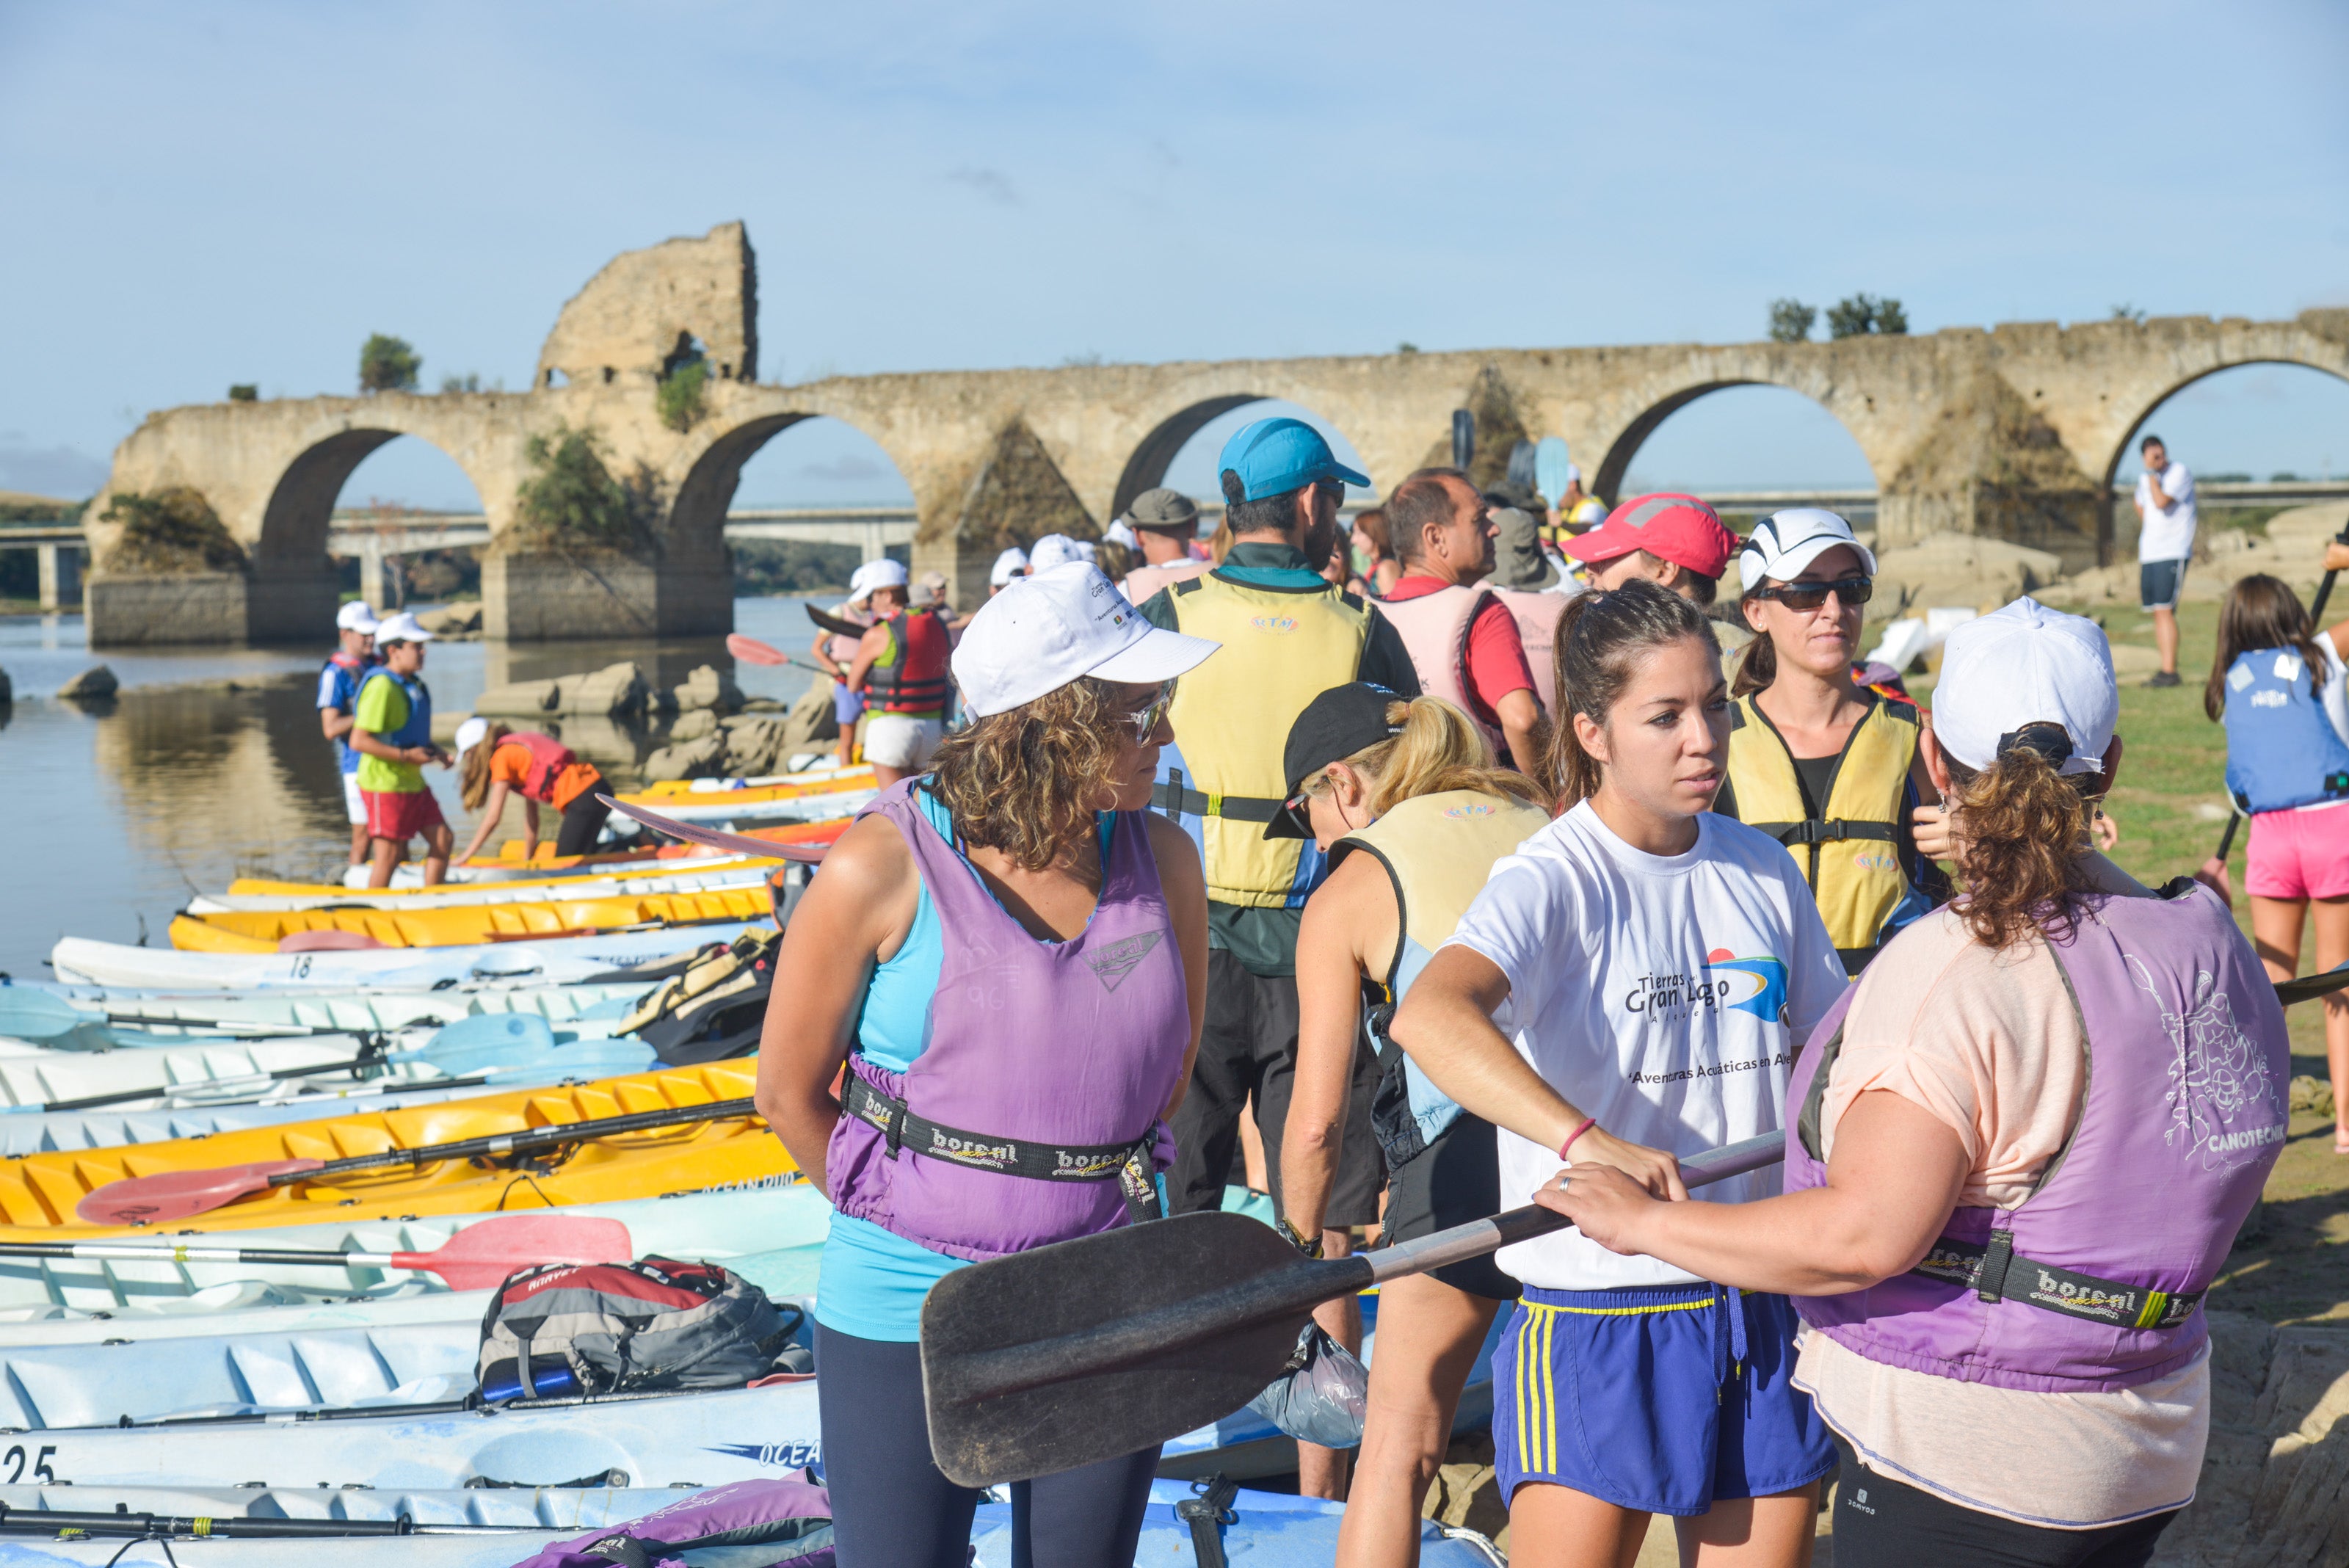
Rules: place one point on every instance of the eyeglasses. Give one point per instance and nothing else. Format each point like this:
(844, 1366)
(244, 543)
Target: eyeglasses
(1298, 809)
(1335, 489)
(1811, 595)
(1146, 720)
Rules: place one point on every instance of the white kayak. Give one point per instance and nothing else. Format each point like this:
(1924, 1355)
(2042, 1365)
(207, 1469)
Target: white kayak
(713, 875)
(719, 810)
(771, 1234)
(561, 962)
(157, 1014)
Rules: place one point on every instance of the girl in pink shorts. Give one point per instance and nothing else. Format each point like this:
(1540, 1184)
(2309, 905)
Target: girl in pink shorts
(2279, 687)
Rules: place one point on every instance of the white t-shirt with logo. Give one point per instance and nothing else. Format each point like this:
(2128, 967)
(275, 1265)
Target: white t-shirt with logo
(2166, 535)
(1664, 995)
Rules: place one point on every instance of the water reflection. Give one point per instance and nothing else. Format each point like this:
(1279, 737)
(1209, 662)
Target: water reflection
(209, 765)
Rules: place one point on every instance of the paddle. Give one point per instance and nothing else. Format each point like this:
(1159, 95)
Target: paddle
(67, 1525)
(840, 625)
(751, 650)
(181, 1194)
(1550, 469)
(735, 843)
(1046, 1360)
(473, 1259)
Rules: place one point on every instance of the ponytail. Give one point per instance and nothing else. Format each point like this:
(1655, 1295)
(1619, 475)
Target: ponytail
(1757, 669)
(1599, 639)
(474, 789)
(2024, 824)
(1437, 748)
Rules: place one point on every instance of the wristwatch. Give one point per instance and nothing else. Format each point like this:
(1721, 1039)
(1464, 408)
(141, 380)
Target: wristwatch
(1289, 1233)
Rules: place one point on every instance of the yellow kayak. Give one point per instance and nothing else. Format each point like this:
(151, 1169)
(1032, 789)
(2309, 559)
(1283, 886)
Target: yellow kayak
(39, 1191)
(261, 931)
(816, 781)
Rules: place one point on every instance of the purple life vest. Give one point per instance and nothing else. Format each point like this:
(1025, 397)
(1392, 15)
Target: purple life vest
(1031, 1044)
(2183, 1116)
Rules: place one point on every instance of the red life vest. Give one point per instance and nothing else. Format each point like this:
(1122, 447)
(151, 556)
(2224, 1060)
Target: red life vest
(548, 757)
(917, 682)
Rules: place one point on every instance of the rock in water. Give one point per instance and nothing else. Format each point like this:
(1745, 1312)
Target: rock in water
(92, 684)
(711, 687)
(7, 691)
(692, 726)
(614, 691)
(702, 758)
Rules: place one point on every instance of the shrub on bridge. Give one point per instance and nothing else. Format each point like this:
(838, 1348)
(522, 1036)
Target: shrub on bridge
(571, 502)
(388, 364)
(171, 532)
(1863, 313)
(679, 396)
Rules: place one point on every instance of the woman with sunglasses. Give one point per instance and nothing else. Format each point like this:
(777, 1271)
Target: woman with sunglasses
(1403, 797)
(1828, 767)
(1007, 953)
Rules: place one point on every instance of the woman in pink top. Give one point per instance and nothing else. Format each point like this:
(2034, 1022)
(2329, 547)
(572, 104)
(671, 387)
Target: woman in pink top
(2020, 1149)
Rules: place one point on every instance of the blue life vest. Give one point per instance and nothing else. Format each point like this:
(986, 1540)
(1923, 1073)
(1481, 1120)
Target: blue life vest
(417, 731)
(2281, 750)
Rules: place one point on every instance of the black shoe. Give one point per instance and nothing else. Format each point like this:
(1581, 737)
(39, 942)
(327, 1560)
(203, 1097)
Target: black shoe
(2166, 677)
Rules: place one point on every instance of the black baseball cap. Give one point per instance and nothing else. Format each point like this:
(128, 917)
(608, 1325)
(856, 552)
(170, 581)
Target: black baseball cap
(1335, 725)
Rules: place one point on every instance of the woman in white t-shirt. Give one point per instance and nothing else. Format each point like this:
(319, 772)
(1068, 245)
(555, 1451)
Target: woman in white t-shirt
(2279, 686)
(1631, 987)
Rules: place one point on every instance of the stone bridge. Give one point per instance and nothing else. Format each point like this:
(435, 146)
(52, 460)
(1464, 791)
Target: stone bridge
(2015, 432)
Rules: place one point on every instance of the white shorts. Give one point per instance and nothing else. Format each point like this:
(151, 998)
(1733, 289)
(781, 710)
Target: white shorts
(353, 806)
(901, 740)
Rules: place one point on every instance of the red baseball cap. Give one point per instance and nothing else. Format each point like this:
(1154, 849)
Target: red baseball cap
(1680, 529)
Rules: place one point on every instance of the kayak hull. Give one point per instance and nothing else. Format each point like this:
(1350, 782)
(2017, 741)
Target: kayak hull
(261, 930)
(80, 961)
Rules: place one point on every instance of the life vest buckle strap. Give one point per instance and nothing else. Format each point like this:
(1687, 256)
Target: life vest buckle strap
(1997, 1272)
(1828, 831)
(1170, 797)
(1129, 1164)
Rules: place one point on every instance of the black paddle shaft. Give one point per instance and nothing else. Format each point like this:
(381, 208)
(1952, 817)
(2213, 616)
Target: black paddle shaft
(528, 1142)
(2324, 588)
(154, 1526)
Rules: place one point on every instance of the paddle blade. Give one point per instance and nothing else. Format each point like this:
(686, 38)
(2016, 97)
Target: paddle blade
(480, 1256)
(751, 650)
(1549, 468)
(732, 842)
(1076, 1294)
(27, 1014)
(181, 1194)
(485, 1040)
(2309, 987)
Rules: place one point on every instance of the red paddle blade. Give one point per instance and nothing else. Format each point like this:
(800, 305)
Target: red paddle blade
(181, 1194)
(732, 842)
(480, 1256)
(751, 650)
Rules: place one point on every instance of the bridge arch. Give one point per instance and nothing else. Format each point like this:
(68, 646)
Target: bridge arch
(2123, 450)
(1614, 466)
(295, 518)
(1147, 467)
(698, 516)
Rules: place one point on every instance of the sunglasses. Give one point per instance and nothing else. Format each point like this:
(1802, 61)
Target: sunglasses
(1146, 720)
(1811, 595)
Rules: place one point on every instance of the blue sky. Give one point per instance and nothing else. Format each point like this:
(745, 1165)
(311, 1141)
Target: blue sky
(234, 193)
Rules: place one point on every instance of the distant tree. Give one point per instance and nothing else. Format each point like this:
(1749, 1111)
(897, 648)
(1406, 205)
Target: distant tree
(1406, 347)
(2128, 313)
(683, 379)
(1790, 320)
(2285, 478)
(466, 383)
(170, 532)
(245, 392)
(572, 500)
(388, 364)
(1862, 314)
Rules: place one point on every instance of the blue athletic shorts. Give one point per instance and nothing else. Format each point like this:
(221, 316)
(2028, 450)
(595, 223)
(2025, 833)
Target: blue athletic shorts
(1657, 1399)
(847, 706)
(2159, 584)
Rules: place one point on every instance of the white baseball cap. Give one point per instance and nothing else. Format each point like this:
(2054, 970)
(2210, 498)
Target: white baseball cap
(400, 627)
(356, 617)
(884, 573)
(1045, 631)
(470, 735)
(1012, 563)
(1783, 543)
(1057, 550)
(2027, 664)
(1573, 474)
(1118, 533)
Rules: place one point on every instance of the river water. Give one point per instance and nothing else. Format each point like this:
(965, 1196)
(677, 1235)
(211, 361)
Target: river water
(208, 764)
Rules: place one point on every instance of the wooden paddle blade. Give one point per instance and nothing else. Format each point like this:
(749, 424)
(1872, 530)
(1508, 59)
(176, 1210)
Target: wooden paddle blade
(1064, 1303)
(751, 650)
(2309, 987)
(732, 842)
(480, 1256)
(181, 1194)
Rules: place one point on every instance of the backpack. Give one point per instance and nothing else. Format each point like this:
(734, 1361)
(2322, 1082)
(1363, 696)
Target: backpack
(715, 1009)
(605, 1328)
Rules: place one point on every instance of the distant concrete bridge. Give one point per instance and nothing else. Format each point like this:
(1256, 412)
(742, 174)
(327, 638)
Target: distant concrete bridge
(2016, 433)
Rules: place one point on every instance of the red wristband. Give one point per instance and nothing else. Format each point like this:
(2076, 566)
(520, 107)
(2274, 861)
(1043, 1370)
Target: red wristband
(1587, 1122)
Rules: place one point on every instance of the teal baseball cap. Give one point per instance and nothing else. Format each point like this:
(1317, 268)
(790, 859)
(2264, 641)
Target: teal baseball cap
(1273, 457)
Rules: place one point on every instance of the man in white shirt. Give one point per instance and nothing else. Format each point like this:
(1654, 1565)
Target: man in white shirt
(2165, 540)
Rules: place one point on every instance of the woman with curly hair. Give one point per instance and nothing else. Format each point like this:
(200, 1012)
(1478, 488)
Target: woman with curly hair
(2017, 1153)
(1010, 956)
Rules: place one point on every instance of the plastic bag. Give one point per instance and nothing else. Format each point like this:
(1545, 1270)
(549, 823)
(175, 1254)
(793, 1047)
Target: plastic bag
(1322, 1397)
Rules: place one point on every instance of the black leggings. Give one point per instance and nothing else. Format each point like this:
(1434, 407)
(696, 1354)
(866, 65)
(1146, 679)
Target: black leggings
(583, 819)
(1880, 1522)
(892, 1508)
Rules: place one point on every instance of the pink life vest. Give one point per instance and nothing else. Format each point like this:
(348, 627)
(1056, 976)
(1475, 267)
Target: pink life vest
(2093, 1283)
(1537, 615)
(1145, 583)
(1434, 629)
(548, 758)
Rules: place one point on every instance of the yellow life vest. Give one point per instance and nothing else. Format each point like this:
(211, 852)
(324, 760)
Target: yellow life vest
(1849, 853)
(1222, 779)
(1438, 851)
